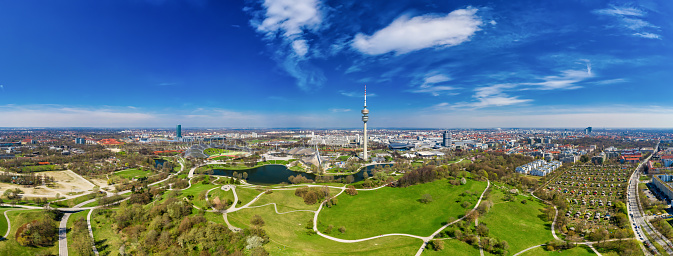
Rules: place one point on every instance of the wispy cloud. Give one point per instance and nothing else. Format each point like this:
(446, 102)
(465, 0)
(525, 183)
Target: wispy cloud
(620, 11)
(435, 90)
(647, 35)
(410, 34)
(567, 80)
(630, 18)
(357, 94)
(429, 85)
(339, 110)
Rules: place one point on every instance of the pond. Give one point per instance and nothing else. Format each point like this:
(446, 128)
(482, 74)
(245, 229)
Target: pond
(276, 174)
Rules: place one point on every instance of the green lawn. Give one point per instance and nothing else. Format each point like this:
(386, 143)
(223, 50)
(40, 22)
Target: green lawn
(246, 195)
(3, 220)
(10, 247)
(195, 190)
(287, 201)
(455, 248)
(73, 201)
(38, 168)
(288, 236)
(397, 210)
(577, 251)
(132, 173)
(517, 223)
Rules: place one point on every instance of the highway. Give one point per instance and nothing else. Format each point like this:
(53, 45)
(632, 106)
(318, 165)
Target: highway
(637, 217)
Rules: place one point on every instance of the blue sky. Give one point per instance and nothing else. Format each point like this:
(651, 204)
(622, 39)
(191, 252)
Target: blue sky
(304, 63)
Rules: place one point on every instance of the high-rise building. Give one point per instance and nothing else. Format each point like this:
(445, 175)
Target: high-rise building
(178, 131)
(588, 130)
(446, 142)
(80, 141)
(365, 118)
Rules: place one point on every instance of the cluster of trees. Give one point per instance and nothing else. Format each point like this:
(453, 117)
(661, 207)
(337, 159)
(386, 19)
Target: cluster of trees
(41, 232)
(621, 247)
(664, 228)
(421, 175)
(79, 238)
(299, 179)
(171, 227)
(312, 195)
(477, 236)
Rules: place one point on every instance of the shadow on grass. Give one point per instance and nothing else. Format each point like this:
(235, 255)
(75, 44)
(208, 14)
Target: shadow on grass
(101, 246)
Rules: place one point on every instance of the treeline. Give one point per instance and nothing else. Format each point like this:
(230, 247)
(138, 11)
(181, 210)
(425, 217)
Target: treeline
(25, 179)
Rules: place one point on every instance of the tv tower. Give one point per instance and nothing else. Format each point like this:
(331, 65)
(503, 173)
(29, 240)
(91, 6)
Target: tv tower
(365, 118)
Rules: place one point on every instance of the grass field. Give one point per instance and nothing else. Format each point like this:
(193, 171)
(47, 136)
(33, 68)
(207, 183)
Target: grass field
(3, 221)
(73, 201)
(39, 168)
(517, 223)
(282, 162)
(288, 236)
(245, 195)
(577, 251)
(287, 201)
(132, 173)
(397, 210)
(10, 247)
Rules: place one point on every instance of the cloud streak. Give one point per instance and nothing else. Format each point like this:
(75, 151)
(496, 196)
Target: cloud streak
(630, 18)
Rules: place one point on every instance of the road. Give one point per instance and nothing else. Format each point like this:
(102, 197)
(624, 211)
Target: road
(62, 238)
(636, 215)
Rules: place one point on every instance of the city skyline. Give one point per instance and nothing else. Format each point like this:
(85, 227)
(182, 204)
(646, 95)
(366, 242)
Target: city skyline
(276, 63)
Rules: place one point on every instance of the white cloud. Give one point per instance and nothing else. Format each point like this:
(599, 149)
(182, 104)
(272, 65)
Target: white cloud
(290, 20)
(300, 47)
(290, 17)
(435, 79)
(405, 35)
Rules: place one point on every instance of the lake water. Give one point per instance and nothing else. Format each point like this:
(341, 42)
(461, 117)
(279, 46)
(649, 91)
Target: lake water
(275, 174)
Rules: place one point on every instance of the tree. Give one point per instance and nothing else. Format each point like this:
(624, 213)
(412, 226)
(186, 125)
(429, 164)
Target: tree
(351, 191)
(584, 158)
(342, 229)
(463, 181)
(350, 179)
(310, 198)
(427, 198)
(257, 220)
(245, 175)
(437, 245)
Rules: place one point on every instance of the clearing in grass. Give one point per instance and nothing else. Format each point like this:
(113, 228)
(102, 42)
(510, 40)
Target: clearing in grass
(400, 210)
(288, 236)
